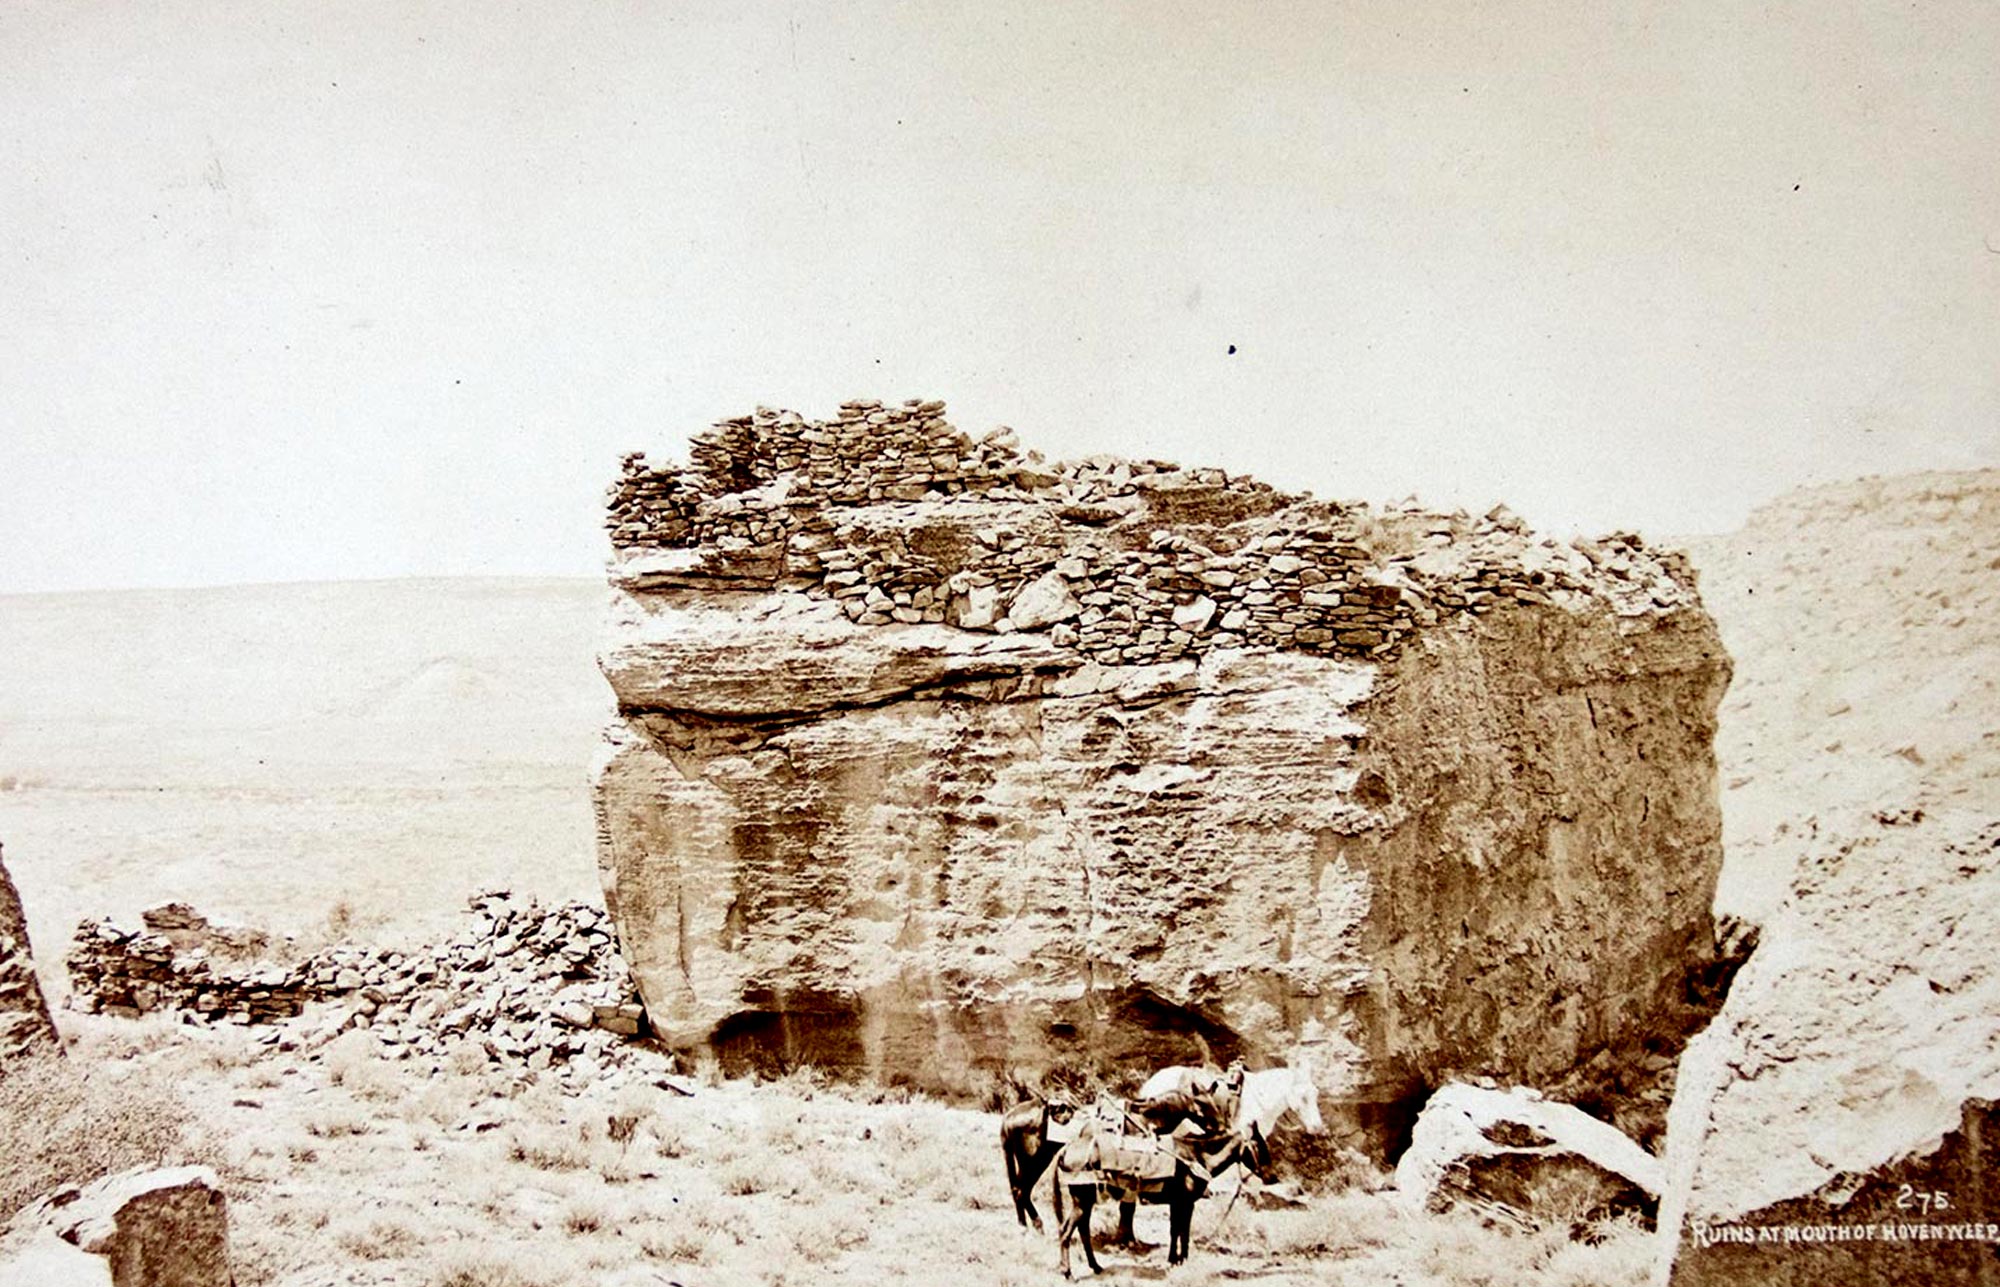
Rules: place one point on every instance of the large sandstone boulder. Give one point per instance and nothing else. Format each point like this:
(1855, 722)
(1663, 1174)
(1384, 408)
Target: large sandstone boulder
(25, 1024)
(147, 1228)
(1406, 797)
(1836, 1122)
(1545, 1160)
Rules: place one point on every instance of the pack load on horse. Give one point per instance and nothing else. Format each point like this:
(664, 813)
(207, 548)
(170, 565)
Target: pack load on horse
(1118, 1155)
(1267, 1096)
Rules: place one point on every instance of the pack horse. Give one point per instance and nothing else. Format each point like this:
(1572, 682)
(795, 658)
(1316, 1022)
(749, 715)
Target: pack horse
(1133, 1166)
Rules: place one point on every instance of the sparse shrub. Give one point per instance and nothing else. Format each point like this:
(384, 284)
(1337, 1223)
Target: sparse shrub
(784, 1133)
(820, 1234)
(833, 1172)
(378, 1239)
(1616, 1253)
(669, 1138)
(711, 1216)
(73, 1120)
(354, 1062)
(1328, 1226)
(491, 1268)
(549, 1148)
(586, 1215)
(802, 1081)
(333, 1121)
(679, 1243)
(747, 1175)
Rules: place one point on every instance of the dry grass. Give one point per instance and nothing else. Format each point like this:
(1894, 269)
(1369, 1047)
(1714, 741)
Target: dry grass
(359, 1169)
(71, 1120)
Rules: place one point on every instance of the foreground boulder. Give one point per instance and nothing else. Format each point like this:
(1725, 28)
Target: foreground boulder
(934, 760)
(1547, 1161)
(1836, 1124)
(25, 1024)
(146, 1228)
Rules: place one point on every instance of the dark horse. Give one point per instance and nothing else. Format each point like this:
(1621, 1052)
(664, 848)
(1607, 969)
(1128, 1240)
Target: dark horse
(1025, 1142)
(1080, 1168)
(1206, 1109)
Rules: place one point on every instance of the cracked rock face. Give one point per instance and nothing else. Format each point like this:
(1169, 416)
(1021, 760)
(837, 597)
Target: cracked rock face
(25, 1024)
(935, 762)
(1835, 1124)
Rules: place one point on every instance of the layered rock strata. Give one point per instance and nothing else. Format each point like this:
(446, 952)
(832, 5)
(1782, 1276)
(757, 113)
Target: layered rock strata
(935, 760)
(25, 1023)
(1836, 1123)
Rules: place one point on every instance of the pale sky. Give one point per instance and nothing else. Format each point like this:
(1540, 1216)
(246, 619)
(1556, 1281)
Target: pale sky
(293, 291)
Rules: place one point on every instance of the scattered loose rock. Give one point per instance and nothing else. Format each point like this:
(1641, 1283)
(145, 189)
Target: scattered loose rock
(527, 983)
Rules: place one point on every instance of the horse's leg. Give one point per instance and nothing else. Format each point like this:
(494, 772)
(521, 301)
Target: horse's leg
(1032, 1166)
(1126, 1210)
(1055, 1187)
(1013, 1180)
(1079, 1211)
(1085, 1197)
(1180, 1215)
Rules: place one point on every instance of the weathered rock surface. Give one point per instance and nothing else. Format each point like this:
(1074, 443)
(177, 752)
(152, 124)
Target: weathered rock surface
(148, 1228)
(1543, 1159)
(1864, 618)
(1835, 1123)
(25, 1024)
(1428, 794)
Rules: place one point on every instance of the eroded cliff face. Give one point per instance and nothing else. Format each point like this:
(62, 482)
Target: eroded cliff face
(934, 761)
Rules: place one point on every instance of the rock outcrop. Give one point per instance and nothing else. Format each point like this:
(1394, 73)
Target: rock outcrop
(1835, 1124)
(1849, 1081)
(25, 1023)
(146, 1228)
(935, 760)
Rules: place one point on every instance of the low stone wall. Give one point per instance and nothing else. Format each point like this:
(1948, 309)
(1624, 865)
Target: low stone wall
(534, 985)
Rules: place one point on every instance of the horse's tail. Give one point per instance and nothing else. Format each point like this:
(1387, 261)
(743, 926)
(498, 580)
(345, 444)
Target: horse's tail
(1056, 1191)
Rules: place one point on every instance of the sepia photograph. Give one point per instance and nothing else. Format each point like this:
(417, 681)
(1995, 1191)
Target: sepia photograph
(699, 644)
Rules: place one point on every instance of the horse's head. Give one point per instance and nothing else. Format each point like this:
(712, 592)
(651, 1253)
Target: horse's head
(1217, 1105)
(1253, 1152)
(1302, 1097)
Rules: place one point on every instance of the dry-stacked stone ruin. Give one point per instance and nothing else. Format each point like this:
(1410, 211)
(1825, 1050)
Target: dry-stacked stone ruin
(529, 985)
(25, 1024)
(1125, 562)
(935, 760)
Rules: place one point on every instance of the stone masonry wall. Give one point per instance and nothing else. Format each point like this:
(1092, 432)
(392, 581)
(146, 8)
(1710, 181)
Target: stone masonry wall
(533, 985)
(773, 501)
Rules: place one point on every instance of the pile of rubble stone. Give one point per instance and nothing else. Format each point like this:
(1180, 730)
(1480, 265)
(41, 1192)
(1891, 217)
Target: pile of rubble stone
(534, 986)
